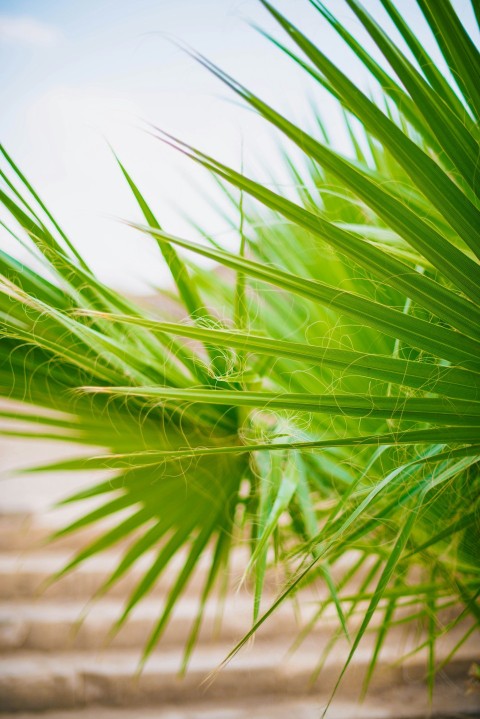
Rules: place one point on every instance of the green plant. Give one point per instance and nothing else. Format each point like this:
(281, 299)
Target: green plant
(335, 382)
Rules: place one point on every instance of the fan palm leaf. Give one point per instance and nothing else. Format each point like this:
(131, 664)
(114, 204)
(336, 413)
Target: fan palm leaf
(342, 387)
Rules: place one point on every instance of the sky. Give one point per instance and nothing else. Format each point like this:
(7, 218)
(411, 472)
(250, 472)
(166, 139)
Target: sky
(79, 78)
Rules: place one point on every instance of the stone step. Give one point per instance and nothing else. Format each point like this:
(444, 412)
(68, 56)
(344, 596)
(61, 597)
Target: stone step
(26, 531)
(27, 565)
(27, 535)
(39, 682)
(58, 626)
(404, 702)
(22, 531)
(25, 575)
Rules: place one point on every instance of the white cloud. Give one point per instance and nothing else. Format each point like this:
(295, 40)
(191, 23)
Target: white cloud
(26, 30)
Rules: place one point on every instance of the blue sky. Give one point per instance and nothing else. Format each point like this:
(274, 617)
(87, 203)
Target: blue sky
(78, 74)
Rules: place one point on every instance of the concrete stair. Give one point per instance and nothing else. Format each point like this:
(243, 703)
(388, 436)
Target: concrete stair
(54, 666)
(31, 681)
(62, 626)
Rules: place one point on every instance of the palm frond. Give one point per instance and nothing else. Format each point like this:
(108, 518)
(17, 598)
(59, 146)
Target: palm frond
(337, 378)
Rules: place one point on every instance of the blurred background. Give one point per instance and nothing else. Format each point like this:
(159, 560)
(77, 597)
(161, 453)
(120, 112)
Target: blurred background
(76, 77)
